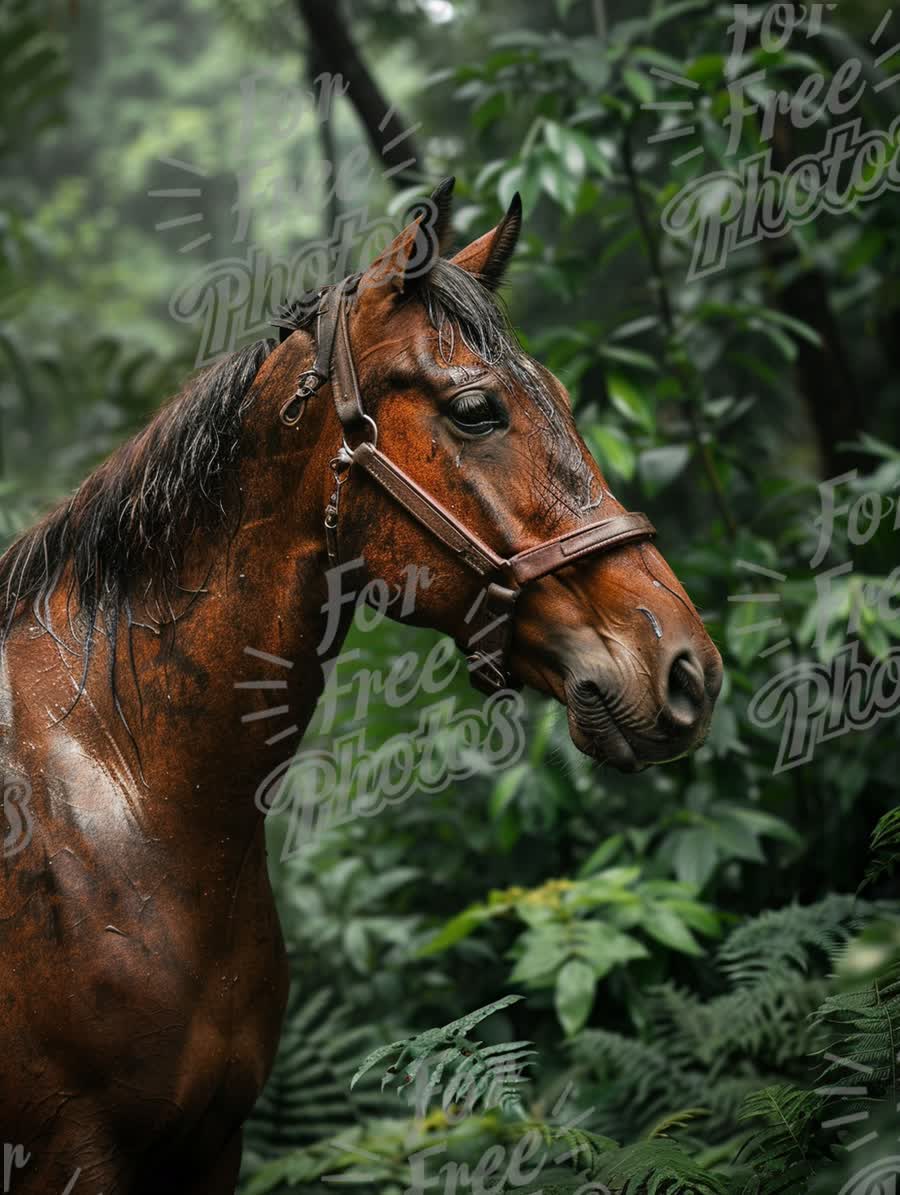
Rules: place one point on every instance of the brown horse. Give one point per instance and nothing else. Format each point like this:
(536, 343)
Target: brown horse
(143, 978)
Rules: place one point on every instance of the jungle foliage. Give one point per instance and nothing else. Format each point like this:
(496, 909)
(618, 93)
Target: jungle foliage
(686, 981)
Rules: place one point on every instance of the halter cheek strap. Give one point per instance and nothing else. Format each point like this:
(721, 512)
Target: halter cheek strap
(491, 623)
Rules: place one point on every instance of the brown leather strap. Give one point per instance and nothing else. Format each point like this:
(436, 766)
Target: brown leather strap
(326, 326)
(313, 379)
(344, 384)
(430, 513)
(601, 536)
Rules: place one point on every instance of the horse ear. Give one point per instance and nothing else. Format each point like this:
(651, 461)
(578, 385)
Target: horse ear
(442, 201)
(412, 254)
(489, 256)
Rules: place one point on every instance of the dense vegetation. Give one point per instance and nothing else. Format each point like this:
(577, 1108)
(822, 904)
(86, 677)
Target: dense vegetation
(706, 956)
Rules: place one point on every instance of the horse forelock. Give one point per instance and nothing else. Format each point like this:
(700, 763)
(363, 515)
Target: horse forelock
(458, 304)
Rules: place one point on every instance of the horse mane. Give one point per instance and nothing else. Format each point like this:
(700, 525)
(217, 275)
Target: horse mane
(131, 519)
(458, 303)
(133, 515)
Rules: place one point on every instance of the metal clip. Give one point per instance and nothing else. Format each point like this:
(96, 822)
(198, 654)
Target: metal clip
(307, 385)
(340, 464)
(340, 467)
(331, 527)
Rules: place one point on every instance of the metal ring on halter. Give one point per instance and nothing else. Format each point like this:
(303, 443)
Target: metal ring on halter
(374, 441)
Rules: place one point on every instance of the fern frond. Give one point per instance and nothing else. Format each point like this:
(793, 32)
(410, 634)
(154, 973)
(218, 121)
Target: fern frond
(376, 1154)
(745, 1023)
(781, 1152)
(490, 1077)
(658, 1167)
(675, 1120)
(479, 1072)
(864, 1029)
(785, 939)
(307, 1095)
(581, 1149)
(884, 847)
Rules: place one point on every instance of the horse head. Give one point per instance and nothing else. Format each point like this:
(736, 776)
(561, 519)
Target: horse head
(455, 451)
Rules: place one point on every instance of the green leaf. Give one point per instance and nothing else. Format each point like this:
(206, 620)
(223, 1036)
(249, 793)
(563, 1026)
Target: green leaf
(574, 995)
(557, 180)
(602, 855)
(566, 148)
(664, 924)
(544, 950)
(506, 789)
(629, 402)
(626, 356)
(638, 84)
(798, 327)
(746, 632)
(592, 151)
(695, 856)
(455, 930)
(519, 178)
(659, 467)
(356, 944)
(605, 947)
(707, 68)
(699, 917)
(779, 338)
(737, 841)
(489, 110)
(763, 823)
(613, 451)
(589, 62)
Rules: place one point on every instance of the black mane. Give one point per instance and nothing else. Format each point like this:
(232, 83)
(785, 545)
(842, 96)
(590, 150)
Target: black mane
(130, 521)
(132, 516)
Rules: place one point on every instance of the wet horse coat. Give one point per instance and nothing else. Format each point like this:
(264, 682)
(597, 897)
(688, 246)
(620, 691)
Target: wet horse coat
(142, 968)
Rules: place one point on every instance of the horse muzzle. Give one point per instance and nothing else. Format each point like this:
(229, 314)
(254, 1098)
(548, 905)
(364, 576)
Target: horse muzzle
(620, 720)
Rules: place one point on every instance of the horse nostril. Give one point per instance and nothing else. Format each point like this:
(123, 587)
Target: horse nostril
(686, 698)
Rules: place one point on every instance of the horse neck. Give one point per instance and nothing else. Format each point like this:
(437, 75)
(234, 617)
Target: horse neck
(221, 695)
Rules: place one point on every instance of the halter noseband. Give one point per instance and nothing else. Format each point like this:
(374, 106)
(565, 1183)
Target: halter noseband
(489, 642)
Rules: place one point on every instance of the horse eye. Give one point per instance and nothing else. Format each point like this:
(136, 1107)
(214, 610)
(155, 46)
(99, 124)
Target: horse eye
(476, 413)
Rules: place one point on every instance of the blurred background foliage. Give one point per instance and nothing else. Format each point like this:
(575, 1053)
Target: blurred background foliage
(692, 944)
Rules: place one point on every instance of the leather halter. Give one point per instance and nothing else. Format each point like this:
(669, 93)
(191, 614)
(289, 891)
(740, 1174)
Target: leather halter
(490, 638)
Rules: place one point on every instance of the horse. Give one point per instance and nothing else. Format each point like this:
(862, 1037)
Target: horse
(394, 422)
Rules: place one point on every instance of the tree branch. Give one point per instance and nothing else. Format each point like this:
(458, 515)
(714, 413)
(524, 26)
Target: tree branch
(335, 52)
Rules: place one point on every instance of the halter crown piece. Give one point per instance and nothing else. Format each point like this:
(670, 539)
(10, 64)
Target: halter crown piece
(489, 642)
